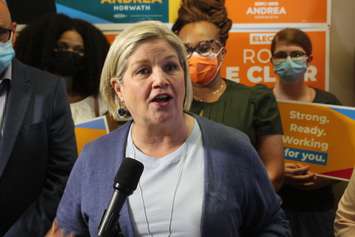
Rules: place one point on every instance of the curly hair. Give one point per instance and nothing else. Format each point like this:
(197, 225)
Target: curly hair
(35, 43)
(212, 11)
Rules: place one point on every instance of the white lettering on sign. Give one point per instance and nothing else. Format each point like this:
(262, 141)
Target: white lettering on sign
(252, 56)
(266, 11)
(258, 74)
(311, 74)
(260, 38)
(305, 142)
(296, 115)
(232, 73)
(315, 130)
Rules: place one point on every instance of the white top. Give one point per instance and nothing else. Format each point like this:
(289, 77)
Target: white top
(181, 172)
(84, 110)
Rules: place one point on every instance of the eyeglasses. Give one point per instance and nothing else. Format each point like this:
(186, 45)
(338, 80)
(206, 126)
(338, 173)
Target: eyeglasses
(204, 48)
(62, 46)
(296, 55)
(5, 34)
(292, 54)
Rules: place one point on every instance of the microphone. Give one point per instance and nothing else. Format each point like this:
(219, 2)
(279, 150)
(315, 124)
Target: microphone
(125, 183)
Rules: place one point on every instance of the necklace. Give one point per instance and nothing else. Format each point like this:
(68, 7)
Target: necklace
(210, 96)
(178, 181)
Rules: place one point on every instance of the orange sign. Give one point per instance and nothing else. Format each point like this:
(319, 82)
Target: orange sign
(248, 59)
(321, 136)
(277, 11)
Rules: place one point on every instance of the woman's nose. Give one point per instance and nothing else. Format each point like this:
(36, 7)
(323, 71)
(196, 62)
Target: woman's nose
(160, 79)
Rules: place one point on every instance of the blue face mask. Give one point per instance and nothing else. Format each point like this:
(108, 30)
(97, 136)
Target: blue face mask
(291, 70)
(7, 53)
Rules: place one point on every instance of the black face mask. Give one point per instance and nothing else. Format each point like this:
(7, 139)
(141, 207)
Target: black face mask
(66, 63)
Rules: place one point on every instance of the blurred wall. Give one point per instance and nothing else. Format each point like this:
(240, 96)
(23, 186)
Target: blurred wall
(342, 51)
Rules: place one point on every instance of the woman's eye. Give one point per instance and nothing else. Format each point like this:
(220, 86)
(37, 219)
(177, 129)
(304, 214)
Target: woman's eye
(170, 67)
(296, 54)
(143, 71)
(204, 48)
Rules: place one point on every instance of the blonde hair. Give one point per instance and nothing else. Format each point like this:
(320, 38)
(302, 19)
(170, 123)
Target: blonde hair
(124, 46)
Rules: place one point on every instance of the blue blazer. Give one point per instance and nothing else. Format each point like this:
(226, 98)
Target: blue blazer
(239, 200)
(37, 152)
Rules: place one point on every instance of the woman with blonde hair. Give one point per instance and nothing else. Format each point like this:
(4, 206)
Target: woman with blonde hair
(200, 178)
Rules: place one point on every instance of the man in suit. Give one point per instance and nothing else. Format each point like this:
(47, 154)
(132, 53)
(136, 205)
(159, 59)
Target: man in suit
(37, 145)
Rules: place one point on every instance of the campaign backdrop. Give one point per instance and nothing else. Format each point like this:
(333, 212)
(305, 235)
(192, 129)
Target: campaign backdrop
(254, 24)
(116, 11)
(321, 136)
(248, 58)
(279, 11)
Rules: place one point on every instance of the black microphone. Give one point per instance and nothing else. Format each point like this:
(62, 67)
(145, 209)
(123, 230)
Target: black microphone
(125, 183)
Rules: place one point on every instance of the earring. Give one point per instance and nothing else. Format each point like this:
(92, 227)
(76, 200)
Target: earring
(122, 112)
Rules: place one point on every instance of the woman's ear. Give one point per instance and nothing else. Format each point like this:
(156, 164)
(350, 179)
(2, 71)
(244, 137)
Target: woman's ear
(117, 87)
(309, 60)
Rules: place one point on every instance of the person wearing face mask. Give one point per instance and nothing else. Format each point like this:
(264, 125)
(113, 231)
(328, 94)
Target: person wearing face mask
(37, 145)
(203, 26)
(308, 200)
(291, 51)
(73, 49)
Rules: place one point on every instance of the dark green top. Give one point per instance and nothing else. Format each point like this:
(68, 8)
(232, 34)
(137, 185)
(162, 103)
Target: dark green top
(252, 110)
(324, 97)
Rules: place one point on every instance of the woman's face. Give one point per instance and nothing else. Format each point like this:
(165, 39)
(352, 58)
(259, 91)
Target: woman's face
(153, 86)
(282, 50)
(290, 62)
(194, 33)
(205, 52)
(71, 41)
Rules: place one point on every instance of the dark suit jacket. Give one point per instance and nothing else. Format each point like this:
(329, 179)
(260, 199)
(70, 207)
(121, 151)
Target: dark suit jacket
(37, 152)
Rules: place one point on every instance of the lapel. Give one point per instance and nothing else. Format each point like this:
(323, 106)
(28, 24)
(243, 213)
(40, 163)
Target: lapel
(17, 103)
(212, 184)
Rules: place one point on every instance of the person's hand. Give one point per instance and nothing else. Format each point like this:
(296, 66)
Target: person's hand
(299, 175)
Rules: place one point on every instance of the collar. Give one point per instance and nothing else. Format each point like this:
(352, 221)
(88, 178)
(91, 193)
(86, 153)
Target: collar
(8, 73)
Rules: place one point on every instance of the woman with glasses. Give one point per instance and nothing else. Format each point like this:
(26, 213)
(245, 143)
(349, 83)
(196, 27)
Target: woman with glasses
(73, 49)
(307, 199)
(291, 51)
(203, 26)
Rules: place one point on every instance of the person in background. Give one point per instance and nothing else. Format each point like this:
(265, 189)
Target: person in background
(203, 26)
(200, 178)
(37, 145)
(73, 49)
(344, 224)
(308, 200)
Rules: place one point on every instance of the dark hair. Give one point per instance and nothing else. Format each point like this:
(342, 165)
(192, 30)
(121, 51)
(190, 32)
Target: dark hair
(35, 43)
(292, 36)
(212, 11)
